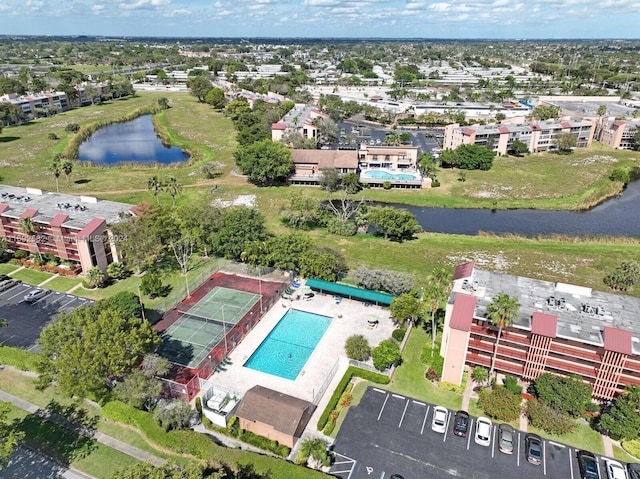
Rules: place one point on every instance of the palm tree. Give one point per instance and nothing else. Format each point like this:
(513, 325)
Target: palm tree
(29, 228)
(435, 294)
(56, 170)
(154, 184)
(94, 277)
(502, 312)
(173, 187)
(67, 169)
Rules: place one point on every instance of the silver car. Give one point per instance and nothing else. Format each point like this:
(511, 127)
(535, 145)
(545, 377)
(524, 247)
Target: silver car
(35, 295)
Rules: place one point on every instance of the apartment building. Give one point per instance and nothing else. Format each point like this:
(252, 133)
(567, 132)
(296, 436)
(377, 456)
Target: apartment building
(36, 102)
(538, 136)
(561, 328)
(619, 134)
(299, 120)
(72, 228)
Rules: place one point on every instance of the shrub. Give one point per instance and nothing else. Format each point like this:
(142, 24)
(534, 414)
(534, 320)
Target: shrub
(432, 375)
(622, 421)
(357, 347)
(340, 227)
(445, 386)
(566, 394)
(435, 184)
(620, 174)
(480, 374)
(52, 136)
(386, 185)
(511, 383)
(151, 284)
(172, 415)
(500, 404)
(199, 404)
(548, 419)
(386, 354)
(398, 334)
(116, 270)
(20, 254)
(72, 128)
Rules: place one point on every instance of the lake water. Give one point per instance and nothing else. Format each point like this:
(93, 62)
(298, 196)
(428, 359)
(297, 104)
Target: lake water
(129, 142)
(619, 216)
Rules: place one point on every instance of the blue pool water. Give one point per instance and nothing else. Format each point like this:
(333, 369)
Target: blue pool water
(285, 351)
(385, 175)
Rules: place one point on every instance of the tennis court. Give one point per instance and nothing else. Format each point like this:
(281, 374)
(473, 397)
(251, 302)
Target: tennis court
(204, 325)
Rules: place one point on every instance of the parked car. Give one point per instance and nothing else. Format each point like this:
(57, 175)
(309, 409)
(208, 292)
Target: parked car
(4, 277)
(634, 470)
(483, 431)
(35, 295)
(588, 465)
(614, 469)
(439, 421)
(533, 449)
(7, 284)
(461, 424)
(505, 439)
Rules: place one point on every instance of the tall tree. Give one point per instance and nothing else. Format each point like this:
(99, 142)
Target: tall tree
(502, 312)
(154, 184)
(67, 169)
(30, 229)
(11, 436)
(435, 297)
(264, 162)
(56, 170)
(405, 307)
(199, 87)
(83, 349)
(173, 188)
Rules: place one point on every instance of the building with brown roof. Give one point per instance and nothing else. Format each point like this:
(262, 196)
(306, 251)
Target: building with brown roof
(561, 328)
(72, 228)
(619, 134)
(308, 164)
(274, 415)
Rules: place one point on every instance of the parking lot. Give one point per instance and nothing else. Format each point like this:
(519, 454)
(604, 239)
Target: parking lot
(391, 434)
(25, 320)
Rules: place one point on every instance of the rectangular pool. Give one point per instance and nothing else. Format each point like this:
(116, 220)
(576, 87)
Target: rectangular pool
(286, 349)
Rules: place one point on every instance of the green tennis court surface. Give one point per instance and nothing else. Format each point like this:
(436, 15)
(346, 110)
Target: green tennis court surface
(200, 328)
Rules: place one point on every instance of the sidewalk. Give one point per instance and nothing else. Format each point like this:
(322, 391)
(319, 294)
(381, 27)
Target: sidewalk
(95, 435)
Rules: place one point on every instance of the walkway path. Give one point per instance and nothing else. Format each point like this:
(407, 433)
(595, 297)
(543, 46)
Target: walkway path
(608, 446)
(112, 442)
(466, 395)
(49, 279)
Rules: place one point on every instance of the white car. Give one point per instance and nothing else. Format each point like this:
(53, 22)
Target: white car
(439, 422)
(484, 427)
(614, 469)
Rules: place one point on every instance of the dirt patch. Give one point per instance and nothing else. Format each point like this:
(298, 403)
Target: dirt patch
(498, 262)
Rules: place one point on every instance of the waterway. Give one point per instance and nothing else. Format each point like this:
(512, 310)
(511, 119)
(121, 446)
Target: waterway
(618, 216)
(129, 142)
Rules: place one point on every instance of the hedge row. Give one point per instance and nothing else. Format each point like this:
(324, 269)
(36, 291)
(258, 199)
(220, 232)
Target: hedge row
(342, 386)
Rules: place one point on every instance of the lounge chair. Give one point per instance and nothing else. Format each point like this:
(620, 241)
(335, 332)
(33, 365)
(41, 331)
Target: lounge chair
(295, 284)
(338, 299)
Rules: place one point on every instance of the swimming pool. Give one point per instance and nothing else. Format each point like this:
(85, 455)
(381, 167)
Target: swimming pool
(385, 175)
(286, 349)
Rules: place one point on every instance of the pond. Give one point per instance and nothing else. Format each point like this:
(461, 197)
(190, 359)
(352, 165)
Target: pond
(129, 142)
(618, 216)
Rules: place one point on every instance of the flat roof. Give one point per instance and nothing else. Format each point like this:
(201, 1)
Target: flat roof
(79, 210)
(581, 314)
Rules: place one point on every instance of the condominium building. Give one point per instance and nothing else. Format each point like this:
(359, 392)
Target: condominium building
(32, 104)
(74, 229)
(538, 136)
(619, 134)
(299, 120)
(561, 328)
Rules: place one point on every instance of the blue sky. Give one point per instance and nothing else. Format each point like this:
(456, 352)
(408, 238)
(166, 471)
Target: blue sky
(511, 19)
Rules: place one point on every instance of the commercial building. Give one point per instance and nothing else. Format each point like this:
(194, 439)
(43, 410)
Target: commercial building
(538, 136)
(561, 328)
(74, 229)
(619, 134)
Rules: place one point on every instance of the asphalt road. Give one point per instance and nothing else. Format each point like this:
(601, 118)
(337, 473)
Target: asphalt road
(26, 321)
(391, 434)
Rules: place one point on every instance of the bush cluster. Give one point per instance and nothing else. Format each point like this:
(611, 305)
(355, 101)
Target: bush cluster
(500, 404)
(548, 419)
(258, 441)
(383, 280)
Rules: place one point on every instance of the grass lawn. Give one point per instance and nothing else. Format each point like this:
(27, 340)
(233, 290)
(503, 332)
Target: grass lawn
(6, 268)
(31, 276)
(409, 379)
(582, 437)
(622, 455)
(63, 283)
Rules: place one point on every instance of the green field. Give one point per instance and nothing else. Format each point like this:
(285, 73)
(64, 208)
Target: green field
(62, 283)
(31, 276)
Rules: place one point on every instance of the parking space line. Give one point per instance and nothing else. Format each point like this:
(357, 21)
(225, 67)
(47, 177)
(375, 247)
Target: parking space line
(418, 402)
(397, 396)
(406, 405)
(571, 462)
(544, 457)
(518, 452)
(446, 427)
(469, 433)
(380, 390)
(383, 405)
(67, 303)
(424, 421)
(557, 444)
(19, 293)
(493, 443)
(60, 297)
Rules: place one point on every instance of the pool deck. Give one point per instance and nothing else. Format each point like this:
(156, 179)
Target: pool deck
(349, 317)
